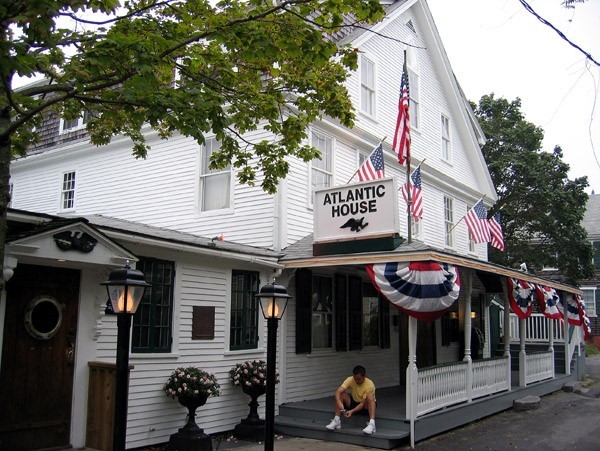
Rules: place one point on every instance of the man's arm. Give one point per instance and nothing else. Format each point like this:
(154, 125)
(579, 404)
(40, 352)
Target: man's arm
(338, 398)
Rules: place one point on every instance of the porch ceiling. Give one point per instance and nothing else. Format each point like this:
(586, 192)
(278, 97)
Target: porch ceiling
(300, 255)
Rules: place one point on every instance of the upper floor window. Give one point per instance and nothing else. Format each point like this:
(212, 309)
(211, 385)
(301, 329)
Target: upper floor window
(589, 296)
(367, 86)
(321, 173)
(75, 124)
(322, 312)
(153, 321)
(446, 154)
(448, 221)
(414, 88)
(67, 193)
(215, 184)
(243, 328)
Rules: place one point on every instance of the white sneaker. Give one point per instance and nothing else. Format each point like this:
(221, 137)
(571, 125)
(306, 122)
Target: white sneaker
(369, 429)
(335, 424)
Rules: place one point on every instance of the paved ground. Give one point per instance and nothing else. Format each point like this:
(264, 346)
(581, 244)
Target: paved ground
(564, 421)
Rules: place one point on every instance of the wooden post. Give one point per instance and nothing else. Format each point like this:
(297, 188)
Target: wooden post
(412, 375)
(522, 353)
(507, 334)
(467, 288)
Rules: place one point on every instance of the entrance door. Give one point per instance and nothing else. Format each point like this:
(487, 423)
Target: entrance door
(36, 377)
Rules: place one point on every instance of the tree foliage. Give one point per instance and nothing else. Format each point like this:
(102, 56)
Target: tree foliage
(541, 208)
(192, 66)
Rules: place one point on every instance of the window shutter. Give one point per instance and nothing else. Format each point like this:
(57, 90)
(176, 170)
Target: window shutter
(355, 308)
(384, 323)
(341, 313)
(303, 310)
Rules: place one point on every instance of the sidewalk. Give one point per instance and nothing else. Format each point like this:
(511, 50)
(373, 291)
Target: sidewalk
(563, 421)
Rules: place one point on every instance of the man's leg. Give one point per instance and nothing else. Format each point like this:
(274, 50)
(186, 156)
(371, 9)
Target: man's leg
(336, 423)
(371, 406)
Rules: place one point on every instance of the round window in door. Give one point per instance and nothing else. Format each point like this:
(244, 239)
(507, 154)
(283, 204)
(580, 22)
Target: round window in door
(43, 317)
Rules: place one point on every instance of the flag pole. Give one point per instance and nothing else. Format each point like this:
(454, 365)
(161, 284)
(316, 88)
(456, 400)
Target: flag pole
(480, 199)
(356, 172)
(409, 194)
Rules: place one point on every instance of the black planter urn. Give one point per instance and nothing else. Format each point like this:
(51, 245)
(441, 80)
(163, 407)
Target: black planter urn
(190, 437)
(252, 427)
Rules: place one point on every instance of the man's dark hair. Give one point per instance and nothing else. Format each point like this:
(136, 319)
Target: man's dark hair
(359, 370)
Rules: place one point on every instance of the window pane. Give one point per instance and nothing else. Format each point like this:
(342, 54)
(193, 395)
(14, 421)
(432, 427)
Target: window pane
(68, 190)
(322, 326)
(215, 184)
(244, 310)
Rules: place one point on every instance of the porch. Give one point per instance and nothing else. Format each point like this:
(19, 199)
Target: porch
(308, 418)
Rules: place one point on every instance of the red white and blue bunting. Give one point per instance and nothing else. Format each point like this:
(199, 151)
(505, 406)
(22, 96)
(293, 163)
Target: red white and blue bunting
(548, 300)
(585, 321)
(573, 315)
(520, 295)
(423, 290)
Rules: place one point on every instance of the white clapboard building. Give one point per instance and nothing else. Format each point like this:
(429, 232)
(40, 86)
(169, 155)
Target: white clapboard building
(206, 244)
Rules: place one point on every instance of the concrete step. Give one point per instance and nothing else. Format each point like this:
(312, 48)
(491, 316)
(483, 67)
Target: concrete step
(383, 438)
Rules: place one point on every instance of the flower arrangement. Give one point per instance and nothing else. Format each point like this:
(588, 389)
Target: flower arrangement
(251, 374)
(191, 381)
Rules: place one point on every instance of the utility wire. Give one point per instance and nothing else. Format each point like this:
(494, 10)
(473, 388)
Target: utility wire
(560, 33)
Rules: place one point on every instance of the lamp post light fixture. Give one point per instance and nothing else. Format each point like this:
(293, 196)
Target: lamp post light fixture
(273, 301)
(125, 288)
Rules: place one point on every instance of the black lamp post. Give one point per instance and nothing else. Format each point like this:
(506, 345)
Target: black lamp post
(273, 301)
(125, 288)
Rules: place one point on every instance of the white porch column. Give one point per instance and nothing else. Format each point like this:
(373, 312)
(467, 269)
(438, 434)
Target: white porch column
(551, 341)
(412, 375)
(522, 353)
(506, 332)
(564, 295)
(467, 288)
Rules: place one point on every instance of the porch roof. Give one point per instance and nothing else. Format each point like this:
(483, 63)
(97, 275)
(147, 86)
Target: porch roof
(300, 255)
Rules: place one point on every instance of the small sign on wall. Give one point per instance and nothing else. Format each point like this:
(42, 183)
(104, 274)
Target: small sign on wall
(360, 211)
(203, 323)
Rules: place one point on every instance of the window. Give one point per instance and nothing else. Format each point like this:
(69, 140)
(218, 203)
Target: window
(215, 184)
(412, 65)
(367, 86)
(446, 138)
(322, 313)
(416, 228)
(77, 123)
(589, 296)
(244, 310)
(370, 312)
(471, 241)
(448, 221)
(67, 194)
(321, 170)
(153, 321)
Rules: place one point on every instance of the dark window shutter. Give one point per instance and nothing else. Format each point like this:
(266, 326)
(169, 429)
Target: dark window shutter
(303, 310)
(341, 313)
(384, 323)
(355, 310)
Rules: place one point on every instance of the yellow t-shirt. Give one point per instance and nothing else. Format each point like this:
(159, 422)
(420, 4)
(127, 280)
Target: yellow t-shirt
(359, 392)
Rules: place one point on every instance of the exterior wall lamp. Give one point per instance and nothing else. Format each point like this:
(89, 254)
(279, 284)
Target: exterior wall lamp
(125, 288)
(273, 301)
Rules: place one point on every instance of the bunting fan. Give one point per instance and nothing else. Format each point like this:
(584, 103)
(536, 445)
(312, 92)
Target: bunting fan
(548, 301)
(585, 321)
(424, 290)
(520, 294)
(573, 310)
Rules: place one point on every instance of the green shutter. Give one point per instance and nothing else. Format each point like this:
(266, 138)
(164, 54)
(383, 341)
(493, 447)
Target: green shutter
(355, 312)
(303, 310)
(341, 313)
(384, 323)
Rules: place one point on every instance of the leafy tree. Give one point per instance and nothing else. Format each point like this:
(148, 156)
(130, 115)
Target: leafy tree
(240, 65)
(541, 208)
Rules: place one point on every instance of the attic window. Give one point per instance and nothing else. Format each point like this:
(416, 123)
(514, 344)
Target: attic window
(75, 124)
(410, 25)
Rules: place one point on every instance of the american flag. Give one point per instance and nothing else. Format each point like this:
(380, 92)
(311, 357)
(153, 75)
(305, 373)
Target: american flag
(401, 144)
(416, 206)
(496, 232)
(477, 223)
(373, 167)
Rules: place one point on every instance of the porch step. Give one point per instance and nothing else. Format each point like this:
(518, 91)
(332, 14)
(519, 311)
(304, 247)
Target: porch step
(384, 438)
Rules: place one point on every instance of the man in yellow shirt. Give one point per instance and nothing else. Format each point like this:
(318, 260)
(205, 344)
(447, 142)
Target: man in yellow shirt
(356, 393)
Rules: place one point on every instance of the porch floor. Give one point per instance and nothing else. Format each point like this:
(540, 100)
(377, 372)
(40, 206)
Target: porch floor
(308, 418)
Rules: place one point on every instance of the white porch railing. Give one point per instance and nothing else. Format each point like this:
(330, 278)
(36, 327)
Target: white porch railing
(490, 376)
(537, 329)
(445, 385)
(441, 386)
(539, 366)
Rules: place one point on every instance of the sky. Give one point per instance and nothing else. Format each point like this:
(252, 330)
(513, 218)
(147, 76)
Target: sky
(496, 46)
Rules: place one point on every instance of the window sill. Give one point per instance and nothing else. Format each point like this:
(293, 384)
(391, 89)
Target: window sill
(246, 352)
(154, 356)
